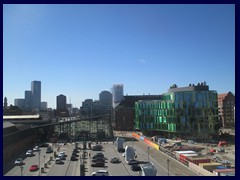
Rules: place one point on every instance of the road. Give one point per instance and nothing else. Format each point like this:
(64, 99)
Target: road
(72, 168)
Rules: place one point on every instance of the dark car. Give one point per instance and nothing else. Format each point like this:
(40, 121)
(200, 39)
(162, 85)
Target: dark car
(49, 150)
(75, 150)
(136, 168)
(98, 164)
(74, 158)
(98, 155)
(98, 159)
(43, 145)
(132, 162)
(97, 147)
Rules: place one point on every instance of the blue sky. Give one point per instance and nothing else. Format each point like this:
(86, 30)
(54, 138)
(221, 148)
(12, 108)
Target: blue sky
(81, 50)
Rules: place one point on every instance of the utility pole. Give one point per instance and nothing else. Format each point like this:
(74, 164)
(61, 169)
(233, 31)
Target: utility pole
(148, 153)
(168, 161)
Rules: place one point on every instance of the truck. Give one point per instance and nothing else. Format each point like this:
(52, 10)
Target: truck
(119, 144)
(129, 153)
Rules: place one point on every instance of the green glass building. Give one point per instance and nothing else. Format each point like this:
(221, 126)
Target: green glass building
(191, 110)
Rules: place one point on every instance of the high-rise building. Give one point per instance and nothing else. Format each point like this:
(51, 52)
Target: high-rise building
(187, 111)
(44, 105)
(36, 93)
(117, 94)
(20, 103)
(226, 107)
(105, 98)
(61, 103)
(28, 101)
(5, 103)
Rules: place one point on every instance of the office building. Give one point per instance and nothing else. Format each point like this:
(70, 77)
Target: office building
(117, 94)
(226, 106)
(105, 98)
(20, 103)
(28, 101)
(36, 94)
(44, 105)
(124, 113)
(61, 103)
(188, 111)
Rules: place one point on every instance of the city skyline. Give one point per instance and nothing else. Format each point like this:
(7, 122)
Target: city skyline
(88, 48)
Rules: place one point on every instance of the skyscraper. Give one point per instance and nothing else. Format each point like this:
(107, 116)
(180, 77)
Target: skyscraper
(61, 103)
(117, 94)
(105, 98)
(36, 93)
(28, 101)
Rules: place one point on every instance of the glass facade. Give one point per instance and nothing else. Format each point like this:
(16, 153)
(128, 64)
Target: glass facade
(193, 112)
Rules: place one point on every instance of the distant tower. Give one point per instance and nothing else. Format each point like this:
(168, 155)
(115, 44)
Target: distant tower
(117, 94)
(61, 103)
(36, 93)
(105, 98)
(5, 103)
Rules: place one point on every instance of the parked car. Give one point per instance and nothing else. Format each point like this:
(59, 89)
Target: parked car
(98, 155)
(114, 160)
(49, 150)
(61, 156)
(19, 161)
(136, 168)
(97, 147)
(98, 164)
(73, 158)
(58, 161)
(132, 162)
(44, 145)
(29, 153)
(98, 159)
(123, 154)
(33, 168)
(100, 173)
(36, 148)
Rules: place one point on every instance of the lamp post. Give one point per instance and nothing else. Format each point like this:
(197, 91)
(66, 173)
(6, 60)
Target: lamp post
(148, 153)
(21, 168)
(168, 161)
(39, 162)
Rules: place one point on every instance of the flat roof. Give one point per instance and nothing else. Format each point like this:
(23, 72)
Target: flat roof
(21, 117)
(8, 124)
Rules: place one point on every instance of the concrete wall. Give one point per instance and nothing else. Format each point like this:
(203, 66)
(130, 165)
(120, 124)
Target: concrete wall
(199, 170)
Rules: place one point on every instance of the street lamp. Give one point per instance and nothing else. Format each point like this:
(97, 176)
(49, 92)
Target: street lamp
(21, 168)
(39, 162)
(148, 153)
(168, 161)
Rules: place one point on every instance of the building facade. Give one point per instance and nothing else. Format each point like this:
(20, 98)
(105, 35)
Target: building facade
(188, 111)
(226, 106)
(105, 98)
(117, 94)
(44, 105)
(62, 105)
(19, 103)
(36, 94)
(124, 114)
(28, 101)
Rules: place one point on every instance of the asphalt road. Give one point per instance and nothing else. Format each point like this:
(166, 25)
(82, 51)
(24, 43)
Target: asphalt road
(72, 168)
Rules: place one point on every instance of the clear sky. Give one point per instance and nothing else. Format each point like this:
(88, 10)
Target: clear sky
(81, 50)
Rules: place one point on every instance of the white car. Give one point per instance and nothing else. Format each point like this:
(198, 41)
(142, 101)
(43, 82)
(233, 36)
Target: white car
(19, 161)
(36, 148)
(29, 153)
(101, 172)
(62, 153)
(61, 156)
(123, 154)
(58, 161)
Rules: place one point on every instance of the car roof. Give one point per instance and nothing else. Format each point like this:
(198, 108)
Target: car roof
(102, 171)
